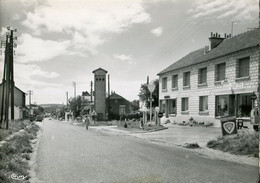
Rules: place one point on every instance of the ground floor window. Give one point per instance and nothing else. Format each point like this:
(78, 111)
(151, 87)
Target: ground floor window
(185, 104)
(203, 103)
(172, 106)
(239, 105)
(222, 105)
(244, 104)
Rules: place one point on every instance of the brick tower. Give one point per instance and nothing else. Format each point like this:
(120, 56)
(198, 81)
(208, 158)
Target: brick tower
(100, 93)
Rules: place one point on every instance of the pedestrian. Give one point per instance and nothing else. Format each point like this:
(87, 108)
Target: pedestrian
(87, 122)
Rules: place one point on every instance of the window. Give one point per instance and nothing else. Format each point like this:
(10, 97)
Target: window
(175, 81)
(220, 72)
(164, 83)
(202, 75)
(243, 67)
(185, 104)
(203, 103)
(172, 106)
(186, 79)
(222, 105)
(244, 104)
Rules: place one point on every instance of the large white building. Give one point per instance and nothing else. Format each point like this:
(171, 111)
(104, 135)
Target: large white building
(214, 81)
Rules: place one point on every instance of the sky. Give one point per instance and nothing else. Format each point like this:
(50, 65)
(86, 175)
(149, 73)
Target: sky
(63, 41)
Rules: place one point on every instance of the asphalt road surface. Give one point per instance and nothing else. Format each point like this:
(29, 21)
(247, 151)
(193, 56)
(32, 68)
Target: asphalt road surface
(71, 154)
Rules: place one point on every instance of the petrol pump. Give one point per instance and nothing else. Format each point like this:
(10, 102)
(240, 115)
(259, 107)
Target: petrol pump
(254, 114)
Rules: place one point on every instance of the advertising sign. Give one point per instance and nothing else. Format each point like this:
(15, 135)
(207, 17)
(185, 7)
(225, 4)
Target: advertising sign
(228, 125)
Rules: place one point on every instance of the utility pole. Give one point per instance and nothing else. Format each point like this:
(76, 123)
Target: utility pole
(8, 79)
(91, 91)
(30, 92)
(108, 78)
(232, 24)
(67, 96)
(74, 85)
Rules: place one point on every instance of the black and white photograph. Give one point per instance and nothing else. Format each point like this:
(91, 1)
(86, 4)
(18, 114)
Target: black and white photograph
(129, 91)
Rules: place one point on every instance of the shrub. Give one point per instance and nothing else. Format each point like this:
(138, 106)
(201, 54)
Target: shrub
(243, 144)
(192, 145)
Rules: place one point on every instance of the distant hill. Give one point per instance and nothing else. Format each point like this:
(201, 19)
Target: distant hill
(51, 105)
(49, 108)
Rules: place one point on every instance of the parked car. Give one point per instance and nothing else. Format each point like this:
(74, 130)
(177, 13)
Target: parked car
(39, 118)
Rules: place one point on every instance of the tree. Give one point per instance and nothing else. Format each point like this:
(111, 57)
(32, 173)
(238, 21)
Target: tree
(144, 94)
(135, 105)
(37, 109)
(76, 106)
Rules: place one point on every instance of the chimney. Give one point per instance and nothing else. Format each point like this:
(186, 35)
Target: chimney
(215, 40)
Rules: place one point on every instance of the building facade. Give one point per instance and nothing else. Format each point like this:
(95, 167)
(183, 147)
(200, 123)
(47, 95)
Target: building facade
(117, 106)
(214, 81)
(19, 103)
(100, 93)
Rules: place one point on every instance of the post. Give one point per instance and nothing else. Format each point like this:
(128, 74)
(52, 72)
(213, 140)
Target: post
(91, 91)
(3, 86)
(108, 78)
(11, 76)
(232, 24)
(74, 85)
(151, 106)
(7, 88)
(30, 105)
(67, 96)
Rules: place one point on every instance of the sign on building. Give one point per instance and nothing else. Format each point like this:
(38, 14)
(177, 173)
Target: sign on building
(228, 125)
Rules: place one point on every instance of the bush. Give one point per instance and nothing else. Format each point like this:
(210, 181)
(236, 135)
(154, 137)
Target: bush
(192, 145)
(243, 144)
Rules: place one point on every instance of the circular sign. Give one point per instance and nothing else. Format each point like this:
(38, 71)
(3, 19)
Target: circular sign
(160, 114)
(253, 97)
(151, 87)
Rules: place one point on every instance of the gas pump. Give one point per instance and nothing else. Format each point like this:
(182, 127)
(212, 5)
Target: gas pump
(254, 117)
(254, 114)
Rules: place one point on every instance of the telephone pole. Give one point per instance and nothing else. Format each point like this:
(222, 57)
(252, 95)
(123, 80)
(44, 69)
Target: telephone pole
(8, 79)
(67, 96)
(74, 85)
(232, 24)
(30, 92)
(91, 91)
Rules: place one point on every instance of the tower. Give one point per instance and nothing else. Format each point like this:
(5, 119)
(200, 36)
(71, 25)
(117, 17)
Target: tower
(100, 93)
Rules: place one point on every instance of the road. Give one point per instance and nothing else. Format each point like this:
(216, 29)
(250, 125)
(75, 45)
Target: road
(71, 154)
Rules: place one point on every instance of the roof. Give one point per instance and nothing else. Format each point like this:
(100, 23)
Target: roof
(16, 88)
(99, 69)
(114, 96)
(86, 93)
(241, 41)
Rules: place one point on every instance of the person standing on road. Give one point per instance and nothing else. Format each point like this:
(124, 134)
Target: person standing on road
(87, 122)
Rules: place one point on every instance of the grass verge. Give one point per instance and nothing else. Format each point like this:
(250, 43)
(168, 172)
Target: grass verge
(242, 144)
(13, 127)
(15, 153)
